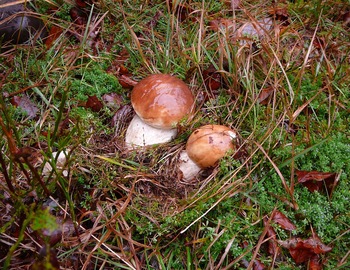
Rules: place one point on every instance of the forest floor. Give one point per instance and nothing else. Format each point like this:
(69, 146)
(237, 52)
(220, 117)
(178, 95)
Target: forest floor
(73, 196)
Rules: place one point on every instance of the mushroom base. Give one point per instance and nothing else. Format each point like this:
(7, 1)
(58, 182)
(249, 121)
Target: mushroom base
(188, 168)
(141, 134)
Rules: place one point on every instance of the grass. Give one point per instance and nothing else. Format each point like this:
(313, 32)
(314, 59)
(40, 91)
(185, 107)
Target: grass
(128, 210)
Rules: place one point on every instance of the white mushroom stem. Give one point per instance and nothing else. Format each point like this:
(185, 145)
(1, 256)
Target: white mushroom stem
(141, 134)
(188, 168)
(60, 162)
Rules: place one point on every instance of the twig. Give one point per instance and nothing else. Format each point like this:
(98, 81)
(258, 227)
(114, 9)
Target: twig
(9, 95)
(14, 3)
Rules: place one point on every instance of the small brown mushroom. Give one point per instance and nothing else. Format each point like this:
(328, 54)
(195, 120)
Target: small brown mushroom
(160, 101)
(204, 148)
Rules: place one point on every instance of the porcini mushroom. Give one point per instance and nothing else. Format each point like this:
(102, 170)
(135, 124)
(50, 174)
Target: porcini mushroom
(160, 101)
(204, 148)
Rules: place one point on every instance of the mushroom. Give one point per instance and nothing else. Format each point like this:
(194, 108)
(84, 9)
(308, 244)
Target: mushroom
(204, 148)
(60, 159)
(160, 101)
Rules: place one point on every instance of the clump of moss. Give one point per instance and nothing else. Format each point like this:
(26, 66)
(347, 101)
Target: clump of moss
(93, 80)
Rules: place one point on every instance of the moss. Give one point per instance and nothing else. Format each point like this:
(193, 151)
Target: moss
(93, 80)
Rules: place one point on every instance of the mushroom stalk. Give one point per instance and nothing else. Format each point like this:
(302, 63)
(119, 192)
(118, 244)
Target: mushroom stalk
(188, 167)
(141, 134)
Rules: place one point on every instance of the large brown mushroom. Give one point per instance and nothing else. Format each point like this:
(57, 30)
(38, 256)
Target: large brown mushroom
(204, 148)
(160, 101)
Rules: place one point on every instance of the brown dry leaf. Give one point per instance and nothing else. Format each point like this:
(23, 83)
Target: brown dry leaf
(346, 18)
(122, 73)
(315, 263)
(31, 154)
(82, 3)
(154, 20)
(53, 35)
(271, 235)
(280, 14)
(258, 265)
(212, 78)
(63, 127)
(232, 4)
(290, 127)
(282, 220)
(112, 100)
(235, 4)
(304, 250)
(122, 116)
(265, 94)
(78, 16)
(26, 104)
(317, 181)
(126, 81)
(94, 104)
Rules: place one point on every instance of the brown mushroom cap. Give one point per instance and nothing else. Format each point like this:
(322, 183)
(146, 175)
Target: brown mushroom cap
(209, 143)
(162, 100)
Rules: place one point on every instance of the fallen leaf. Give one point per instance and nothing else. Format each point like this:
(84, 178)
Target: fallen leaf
(122, 115)
(55, 32)
(212, 78)
(30, 154)
(78, 16)
(81, 3)
(282, 220)
(319, 43)
(265, 94)
(290, 127)
(63, 127)
(112, 100)
(303, 250)
(280, 14)
(26, 104)
(252, 31)
(271, 235)
(317, 181)
(235, 4)
(346, 18)
(232, 4)
(315, 263)
(122, 70)
(154, 20)
(123, 75)
(126, 81)
(94, 104)
(258, 265)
